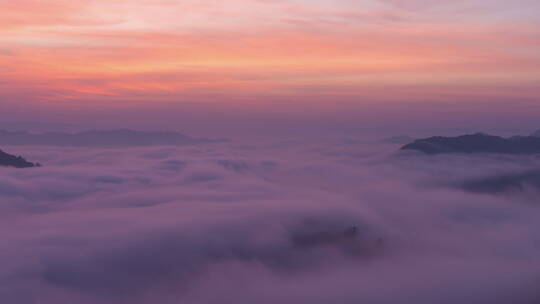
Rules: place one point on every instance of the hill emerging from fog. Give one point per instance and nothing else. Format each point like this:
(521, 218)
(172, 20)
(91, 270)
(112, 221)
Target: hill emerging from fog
(8, 160)
(476, 143)
(102, 138)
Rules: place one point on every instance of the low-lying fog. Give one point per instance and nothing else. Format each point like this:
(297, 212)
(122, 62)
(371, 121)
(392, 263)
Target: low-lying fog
(269, 222)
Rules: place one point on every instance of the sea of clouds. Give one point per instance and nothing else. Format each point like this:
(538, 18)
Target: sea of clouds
(290, 221)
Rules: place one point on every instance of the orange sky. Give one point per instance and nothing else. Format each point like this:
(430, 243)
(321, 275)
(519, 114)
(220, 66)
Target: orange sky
(77, 53)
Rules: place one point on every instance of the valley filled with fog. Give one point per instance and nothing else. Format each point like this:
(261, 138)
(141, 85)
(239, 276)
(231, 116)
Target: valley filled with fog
(281, 221)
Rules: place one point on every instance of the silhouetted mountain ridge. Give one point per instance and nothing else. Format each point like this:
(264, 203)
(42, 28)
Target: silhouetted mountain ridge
(476, 143)
(102, 138)
(8, 160)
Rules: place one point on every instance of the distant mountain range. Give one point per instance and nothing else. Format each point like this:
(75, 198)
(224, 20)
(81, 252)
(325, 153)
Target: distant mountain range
(477, 143)
(101, 138)
(8, 160)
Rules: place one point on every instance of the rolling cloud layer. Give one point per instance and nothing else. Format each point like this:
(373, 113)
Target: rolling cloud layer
(273, 222)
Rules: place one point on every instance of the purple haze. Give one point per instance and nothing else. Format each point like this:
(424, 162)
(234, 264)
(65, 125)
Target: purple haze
(264, 222)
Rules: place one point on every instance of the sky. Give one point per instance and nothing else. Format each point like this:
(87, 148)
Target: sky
(247, 64)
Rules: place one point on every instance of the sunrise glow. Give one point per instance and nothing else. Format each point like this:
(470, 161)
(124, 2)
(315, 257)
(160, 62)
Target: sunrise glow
(250, 51)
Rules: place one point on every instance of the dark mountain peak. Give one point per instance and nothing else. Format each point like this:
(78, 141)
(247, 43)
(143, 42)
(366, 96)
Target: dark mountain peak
(8, 160)
(476, 143)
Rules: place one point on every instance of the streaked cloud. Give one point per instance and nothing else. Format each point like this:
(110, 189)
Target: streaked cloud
(79, 50)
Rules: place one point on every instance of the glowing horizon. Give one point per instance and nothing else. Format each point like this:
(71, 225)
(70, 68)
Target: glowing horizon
(139, 52)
